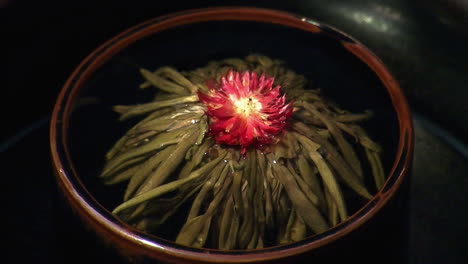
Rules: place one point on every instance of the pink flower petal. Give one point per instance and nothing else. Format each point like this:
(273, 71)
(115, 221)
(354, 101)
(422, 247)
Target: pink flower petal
(245, 109)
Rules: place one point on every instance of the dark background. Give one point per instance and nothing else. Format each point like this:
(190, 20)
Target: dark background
(424, 43)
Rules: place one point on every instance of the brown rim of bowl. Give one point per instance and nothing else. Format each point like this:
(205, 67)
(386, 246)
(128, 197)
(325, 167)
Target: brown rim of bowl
(138, 242)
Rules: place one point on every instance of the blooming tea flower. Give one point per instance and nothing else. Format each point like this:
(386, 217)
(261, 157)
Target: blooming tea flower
(245, 109)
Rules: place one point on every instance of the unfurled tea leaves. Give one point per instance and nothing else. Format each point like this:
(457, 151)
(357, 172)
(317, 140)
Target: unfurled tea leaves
(242, 164)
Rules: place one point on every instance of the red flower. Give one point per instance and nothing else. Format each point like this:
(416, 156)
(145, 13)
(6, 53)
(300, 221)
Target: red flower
(245, 109)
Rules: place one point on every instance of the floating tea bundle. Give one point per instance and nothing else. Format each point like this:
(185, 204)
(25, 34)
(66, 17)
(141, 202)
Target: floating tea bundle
(243, 152)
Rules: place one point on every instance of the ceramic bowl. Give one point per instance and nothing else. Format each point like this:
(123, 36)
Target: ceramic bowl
(343, 68)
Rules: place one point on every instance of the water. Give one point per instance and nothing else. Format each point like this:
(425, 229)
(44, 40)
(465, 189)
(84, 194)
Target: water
(341, 77)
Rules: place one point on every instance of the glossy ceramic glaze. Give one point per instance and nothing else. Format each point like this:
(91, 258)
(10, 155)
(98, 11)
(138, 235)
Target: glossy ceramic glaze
(96, 214)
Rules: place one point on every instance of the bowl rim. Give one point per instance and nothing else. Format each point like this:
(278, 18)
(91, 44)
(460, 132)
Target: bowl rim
(126, 237)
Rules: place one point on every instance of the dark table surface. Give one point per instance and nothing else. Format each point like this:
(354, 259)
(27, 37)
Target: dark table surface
(424, 43)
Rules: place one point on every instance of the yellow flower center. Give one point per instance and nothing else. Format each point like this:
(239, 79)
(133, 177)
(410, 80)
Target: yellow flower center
(247, 106)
